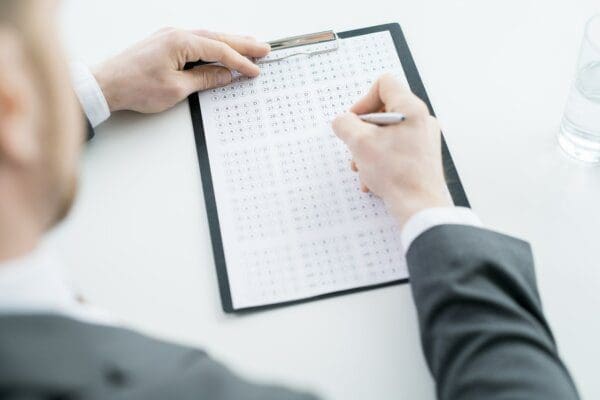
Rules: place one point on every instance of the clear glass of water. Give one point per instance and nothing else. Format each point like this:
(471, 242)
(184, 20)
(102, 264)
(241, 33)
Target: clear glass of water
(580, 128)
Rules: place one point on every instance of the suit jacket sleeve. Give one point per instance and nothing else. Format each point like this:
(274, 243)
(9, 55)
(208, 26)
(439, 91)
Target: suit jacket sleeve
(483, 331)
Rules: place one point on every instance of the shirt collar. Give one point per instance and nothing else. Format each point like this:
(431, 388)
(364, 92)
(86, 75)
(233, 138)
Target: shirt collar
(34, 283)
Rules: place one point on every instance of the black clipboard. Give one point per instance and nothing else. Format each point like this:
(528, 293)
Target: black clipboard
(452, 179)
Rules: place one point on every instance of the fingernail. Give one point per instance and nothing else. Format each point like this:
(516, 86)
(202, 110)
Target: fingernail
(224, 77)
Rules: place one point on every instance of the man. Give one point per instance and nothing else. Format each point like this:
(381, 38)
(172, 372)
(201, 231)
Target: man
(483, 331)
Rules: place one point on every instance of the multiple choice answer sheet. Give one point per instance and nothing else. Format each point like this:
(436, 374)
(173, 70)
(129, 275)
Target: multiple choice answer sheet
(294, 223)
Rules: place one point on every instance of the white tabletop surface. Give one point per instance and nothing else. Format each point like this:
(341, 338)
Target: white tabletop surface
(498, 74)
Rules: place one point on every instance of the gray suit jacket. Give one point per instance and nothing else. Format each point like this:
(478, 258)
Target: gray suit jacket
(483, 333)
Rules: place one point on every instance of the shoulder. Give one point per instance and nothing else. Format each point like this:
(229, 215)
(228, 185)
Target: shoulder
(60, 353)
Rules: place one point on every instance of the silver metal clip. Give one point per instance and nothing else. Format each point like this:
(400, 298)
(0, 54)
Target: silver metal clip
(328, 41)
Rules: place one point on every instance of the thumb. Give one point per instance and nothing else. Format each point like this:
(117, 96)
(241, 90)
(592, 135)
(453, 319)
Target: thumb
(207, 77)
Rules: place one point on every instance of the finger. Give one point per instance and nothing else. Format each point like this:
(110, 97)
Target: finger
(371, 102)
(206, 77)
(213, 50)
(201, 48)
(391, 95)
(350, 129)
(387, 91)
(245, 45)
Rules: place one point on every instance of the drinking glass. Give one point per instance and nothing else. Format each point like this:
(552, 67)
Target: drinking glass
(579, 133)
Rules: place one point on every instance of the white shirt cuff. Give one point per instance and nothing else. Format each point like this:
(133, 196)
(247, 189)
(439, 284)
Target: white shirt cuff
(431, 217)
(90, 95)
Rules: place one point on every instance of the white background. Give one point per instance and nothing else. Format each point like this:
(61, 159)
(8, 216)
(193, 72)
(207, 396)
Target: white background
(498, 74)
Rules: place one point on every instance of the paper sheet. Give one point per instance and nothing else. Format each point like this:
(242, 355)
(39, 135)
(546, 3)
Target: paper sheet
(293, 220)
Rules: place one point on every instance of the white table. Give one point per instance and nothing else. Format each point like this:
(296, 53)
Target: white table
(498, 74)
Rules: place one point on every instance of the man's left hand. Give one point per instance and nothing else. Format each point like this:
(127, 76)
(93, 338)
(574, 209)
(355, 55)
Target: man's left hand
(149, 77)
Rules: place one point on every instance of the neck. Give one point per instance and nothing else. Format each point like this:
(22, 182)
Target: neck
(20, 230)
(15, 240)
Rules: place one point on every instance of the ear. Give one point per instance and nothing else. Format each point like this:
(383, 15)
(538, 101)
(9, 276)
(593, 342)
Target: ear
(19, 139)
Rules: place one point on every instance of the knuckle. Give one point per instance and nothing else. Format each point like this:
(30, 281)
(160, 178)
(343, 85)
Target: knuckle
(391, 83)
(418, 107)
(387, 79)
(166, 29)
(337, 123)
(362, 141)
(218, 36)
(433, 121)
(423, 107)
(206, 81)
(177, 90)
(178, 37)
(204, 32)
(221, 50)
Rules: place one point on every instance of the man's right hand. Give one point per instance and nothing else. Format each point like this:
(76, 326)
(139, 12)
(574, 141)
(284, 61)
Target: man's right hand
(401, 163)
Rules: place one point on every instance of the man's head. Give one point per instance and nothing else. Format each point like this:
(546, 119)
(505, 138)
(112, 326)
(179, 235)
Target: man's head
(41, 127)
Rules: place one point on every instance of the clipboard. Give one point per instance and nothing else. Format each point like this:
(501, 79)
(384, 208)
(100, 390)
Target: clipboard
(329, 39)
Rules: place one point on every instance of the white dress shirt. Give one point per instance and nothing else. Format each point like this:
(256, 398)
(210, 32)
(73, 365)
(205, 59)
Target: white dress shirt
(431, 217)
(90, 95)
(36, 283)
